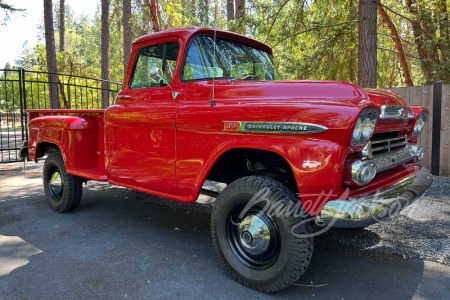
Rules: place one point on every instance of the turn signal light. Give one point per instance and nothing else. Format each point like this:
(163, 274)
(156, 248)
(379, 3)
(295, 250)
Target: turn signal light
(363, 171)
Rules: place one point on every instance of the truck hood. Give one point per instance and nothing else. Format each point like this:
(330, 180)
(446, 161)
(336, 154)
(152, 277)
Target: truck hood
(302, 90)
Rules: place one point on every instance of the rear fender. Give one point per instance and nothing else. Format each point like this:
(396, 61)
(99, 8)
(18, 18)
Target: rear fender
(75, 136)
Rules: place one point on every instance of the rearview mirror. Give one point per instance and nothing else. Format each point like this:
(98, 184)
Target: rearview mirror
(155, 74)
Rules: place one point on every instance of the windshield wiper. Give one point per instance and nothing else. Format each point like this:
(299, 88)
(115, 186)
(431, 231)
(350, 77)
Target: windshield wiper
(248, 76)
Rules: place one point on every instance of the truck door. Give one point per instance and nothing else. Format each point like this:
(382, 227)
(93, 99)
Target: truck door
(140, 127)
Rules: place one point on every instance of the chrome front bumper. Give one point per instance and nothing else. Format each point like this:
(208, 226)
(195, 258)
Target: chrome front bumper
(371, 208)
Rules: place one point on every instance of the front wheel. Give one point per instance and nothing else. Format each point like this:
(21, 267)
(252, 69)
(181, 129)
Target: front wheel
(63, 191)
(261, 233)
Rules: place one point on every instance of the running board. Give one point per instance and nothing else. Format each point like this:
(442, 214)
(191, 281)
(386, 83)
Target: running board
(209, 193)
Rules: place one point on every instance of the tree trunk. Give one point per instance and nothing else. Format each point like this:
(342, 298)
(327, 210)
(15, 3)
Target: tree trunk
(398, 46)
(63, 95)
(62, 25)
(51, 54)
(126, 34)
(423, 54)
(105, 54)
(205, 14)
(367, 43)
(154, 10)
(240, 8)
(146, 17)
(443, 33)
(230, 10)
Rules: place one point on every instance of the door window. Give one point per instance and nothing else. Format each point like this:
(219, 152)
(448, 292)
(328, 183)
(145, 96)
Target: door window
(163, 56)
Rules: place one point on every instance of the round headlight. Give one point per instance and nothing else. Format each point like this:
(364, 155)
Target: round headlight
(357, 130)
(366, 128)
(420, 123)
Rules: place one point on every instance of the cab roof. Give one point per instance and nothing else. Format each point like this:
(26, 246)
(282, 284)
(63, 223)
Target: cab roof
(185, 33)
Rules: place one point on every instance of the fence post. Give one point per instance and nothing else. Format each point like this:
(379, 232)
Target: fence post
(24, 103)
(22, 114)
(436, 133)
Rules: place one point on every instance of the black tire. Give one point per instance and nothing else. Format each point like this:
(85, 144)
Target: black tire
(64, 194)
(278, 263)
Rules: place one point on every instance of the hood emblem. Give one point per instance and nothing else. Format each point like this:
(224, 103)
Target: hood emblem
(273, 127)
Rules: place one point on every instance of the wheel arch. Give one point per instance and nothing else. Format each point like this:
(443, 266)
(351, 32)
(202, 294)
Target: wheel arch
(243, 161)
(44, 147)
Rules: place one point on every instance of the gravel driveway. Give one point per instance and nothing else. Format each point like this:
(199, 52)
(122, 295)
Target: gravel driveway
(421, 230)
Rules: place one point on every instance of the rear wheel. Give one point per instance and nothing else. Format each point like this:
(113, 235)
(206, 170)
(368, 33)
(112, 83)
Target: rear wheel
(260, 245)
(63, 191)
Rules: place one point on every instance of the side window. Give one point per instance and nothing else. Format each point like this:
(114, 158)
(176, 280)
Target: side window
(163, 56)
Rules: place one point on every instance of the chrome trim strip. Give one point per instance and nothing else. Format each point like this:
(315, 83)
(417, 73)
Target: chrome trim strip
(273, 127)
(396, 112)
(388, 140)
(124, 97)
(371, 208)
(388, 146)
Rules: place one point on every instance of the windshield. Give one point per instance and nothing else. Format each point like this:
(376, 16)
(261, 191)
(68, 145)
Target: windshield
(233, 60)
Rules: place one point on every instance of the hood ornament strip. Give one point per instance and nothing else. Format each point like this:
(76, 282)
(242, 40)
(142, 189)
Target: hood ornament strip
(396, 112)
(273, 127)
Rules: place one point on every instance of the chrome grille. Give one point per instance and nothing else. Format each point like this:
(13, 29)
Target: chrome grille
(385, 143)
(388, 149)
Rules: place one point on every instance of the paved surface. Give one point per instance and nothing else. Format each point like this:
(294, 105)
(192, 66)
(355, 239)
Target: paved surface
(120, 246)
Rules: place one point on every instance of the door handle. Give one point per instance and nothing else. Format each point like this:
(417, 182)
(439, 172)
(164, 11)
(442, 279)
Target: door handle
(124, 97)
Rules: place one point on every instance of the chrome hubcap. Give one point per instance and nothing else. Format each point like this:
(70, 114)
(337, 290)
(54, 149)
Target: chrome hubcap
(56, 183)
(254, 235)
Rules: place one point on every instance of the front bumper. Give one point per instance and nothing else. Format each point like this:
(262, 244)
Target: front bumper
(371, 208)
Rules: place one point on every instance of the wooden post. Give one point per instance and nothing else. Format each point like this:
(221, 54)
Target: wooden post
(436, 142)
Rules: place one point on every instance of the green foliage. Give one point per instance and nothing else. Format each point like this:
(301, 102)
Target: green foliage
(306, 41)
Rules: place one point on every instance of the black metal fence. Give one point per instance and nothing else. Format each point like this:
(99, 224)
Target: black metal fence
(24, 89)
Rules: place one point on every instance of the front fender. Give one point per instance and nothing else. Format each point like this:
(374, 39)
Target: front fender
(317, 166)
(75, 136)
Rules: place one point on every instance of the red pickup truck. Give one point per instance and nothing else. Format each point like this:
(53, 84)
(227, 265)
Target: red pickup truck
(202, 105)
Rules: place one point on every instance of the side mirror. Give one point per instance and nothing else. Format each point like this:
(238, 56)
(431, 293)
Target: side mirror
(155, 74)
